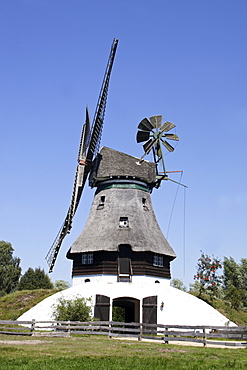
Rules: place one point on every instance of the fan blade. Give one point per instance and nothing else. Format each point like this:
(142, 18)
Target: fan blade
(142, 136)
(145, 125)
(148, 145)
(168, 146)
(156, 121)
(167, 126)
(171, 137)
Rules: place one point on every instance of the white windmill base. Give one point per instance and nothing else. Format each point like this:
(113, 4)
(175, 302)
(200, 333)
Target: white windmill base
(174, 307)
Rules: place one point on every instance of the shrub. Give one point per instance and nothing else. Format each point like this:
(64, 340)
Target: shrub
(118, 314)
(61, 285)
(72, 309)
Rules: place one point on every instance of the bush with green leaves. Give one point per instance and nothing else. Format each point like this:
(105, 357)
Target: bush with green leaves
(61, 285)
(77, 309)
(178, 284)
(35, 279)
(118, 314)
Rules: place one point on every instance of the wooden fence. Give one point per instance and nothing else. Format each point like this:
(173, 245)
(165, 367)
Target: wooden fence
(218, 335)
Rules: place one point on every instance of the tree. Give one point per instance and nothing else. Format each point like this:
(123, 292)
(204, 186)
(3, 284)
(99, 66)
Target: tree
(72, 309)
(234, 282)
(207, 274)
(178, 284)
(195, 288)
(35, 279)
(61, 285)
(10, 269)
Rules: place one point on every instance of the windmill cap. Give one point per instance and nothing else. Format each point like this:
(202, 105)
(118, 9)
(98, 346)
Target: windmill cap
(111, 163)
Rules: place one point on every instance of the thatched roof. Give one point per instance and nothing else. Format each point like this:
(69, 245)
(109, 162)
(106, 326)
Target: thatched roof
(103, 229)
(111, 163)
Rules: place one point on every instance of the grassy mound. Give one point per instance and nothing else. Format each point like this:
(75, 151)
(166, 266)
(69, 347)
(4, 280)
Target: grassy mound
(15, 304)
(239, 317)
(225, 308)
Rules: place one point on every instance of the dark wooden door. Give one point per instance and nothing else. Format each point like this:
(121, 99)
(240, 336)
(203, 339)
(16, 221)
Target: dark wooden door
(102, 307)
(149, 310)
(124, 266)
(124, 262)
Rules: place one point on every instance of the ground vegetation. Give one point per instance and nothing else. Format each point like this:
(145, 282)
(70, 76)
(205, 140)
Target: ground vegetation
(98, 352)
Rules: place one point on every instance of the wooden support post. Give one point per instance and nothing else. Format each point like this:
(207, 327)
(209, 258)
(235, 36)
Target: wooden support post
(68, 327)
(140, 332)
(166, 335)
(32, 326)
(110, 330)
(204, 337)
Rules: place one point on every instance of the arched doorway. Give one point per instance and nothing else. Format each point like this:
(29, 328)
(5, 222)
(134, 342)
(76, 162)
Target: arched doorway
(129, 309)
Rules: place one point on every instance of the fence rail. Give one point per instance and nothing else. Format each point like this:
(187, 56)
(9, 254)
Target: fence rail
(166, 333)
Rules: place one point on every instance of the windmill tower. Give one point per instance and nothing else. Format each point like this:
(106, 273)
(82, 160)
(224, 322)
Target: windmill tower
(121, 241)
(121, 245)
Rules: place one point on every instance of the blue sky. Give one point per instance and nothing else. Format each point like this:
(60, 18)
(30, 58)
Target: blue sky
(183, 59)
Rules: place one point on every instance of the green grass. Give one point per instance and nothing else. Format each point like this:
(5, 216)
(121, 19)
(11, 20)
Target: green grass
(239, 317)
(15, 304)
(95, 352)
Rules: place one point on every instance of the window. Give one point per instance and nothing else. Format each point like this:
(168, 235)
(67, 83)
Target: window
(87, 258)
(144, 204)
(123, 222)
(101, 203)
(158, 260)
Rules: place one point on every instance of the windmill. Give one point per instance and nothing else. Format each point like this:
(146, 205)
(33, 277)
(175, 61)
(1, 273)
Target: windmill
(89, 145)
(121, 258)
(121, 243)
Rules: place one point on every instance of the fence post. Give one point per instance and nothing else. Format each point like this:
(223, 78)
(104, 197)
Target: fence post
(32, 326)
(166, 336)
(140, 332)
(109, 331)
(204, 337)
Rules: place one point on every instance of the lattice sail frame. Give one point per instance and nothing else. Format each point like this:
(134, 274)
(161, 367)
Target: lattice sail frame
(89, 146)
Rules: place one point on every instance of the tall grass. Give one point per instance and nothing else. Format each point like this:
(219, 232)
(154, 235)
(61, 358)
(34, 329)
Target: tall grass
(15, 304)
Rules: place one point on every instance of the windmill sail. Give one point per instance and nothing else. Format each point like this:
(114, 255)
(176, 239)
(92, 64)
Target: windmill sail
(89, 145)
(76, 195)
(101, 106)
